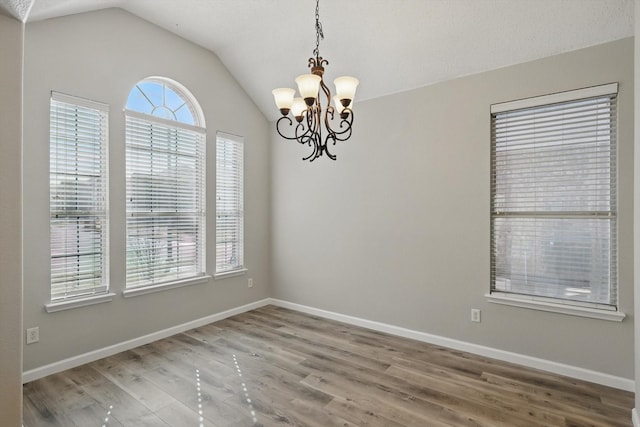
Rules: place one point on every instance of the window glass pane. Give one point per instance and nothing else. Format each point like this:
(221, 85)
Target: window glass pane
(172, 100)
(153, 91)
(184, 115)
(164, 113)
(138, 102)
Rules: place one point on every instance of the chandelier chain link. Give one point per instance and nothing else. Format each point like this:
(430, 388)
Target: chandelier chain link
(319, 33)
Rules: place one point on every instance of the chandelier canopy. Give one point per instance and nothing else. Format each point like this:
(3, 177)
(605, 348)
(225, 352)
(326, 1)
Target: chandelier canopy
(307, 109)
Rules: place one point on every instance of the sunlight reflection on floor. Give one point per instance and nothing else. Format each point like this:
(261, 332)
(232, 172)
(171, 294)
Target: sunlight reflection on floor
(245, 390)
(106, 419)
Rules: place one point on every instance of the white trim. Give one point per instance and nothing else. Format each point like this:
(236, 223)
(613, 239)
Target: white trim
(572, 310)
(506, 356)
(91, 356)
(164, 122)
(143, 290)
(635, 417)
(554, 98)
(82, 102)
(52, 307)
(230, 136)
(231, 273)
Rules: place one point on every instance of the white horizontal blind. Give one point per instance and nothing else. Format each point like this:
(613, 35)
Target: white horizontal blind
(553, 199)
(165, 201)
(229, 203)
(78, 197)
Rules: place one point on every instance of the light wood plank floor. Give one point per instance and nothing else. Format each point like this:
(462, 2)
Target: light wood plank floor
(277, 367)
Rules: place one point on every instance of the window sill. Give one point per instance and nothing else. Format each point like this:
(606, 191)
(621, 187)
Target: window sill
(533, 304)
(52, 307)
(143, 290)
(232, 273)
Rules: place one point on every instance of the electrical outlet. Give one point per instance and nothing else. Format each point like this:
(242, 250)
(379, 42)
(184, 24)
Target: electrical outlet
(475, 315)
(33, 335)
(250, 283)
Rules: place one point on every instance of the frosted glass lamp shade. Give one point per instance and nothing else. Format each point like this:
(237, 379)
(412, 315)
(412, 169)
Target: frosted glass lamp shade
(284, 99)
(346, 89)
(308, 86)
(298, 108)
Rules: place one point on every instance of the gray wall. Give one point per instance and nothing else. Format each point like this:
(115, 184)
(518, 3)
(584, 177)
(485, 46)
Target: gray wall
(101, 56)
(397, 229)
(11, 38)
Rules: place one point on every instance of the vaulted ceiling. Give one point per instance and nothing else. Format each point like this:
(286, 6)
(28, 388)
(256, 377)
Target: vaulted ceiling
(390, 45)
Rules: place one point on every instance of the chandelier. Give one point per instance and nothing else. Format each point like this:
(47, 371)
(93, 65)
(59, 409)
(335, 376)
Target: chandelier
(307, 109)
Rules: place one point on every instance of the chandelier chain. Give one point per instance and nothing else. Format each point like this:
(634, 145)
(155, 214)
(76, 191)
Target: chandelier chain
(314, 118)
(319, 33)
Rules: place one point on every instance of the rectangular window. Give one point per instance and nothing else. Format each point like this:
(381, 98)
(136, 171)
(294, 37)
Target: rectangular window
(229, 204)
(553, 197)
(78, 197)
(165, 201)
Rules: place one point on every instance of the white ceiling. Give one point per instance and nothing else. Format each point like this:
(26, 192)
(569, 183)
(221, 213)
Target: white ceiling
(390, 45)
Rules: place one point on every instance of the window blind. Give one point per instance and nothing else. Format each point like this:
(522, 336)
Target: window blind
(165, 201)
(78, 197)
(229, 204)
(553, 197)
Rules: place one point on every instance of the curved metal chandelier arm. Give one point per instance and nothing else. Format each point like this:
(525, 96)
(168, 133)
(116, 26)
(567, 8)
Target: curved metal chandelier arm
(306, 132)
(306, 136)
(345, 123)
(302, 135)
(298, 126)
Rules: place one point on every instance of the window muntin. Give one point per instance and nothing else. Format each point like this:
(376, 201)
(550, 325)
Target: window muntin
(78, 197)
(157, 97)
(229, 204)
(554, 198)
(165, 164)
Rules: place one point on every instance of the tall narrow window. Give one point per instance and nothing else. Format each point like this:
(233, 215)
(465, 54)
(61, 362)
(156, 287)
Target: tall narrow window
(78, 197)
(229, 204)
(165, 156)
(553, 198)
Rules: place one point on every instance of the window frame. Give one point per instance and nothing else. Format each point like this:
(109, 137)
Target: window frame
(546, 303)
(175, 133)
(237, 230)
(76, 126)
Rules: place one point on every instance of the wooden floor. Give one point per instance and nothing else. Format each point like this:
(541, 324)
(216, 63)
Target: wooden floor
(277, 367)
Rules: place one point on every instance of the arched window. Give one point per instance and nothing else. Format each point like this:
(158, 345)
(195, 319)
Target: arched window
(165, 164)
(166, 99)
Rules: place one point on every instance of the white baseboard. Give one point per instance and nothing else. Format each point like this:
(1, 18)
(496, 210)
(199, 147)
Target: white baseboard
(506, 356)
(92, 356)
(533, 362)
(635, 417)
